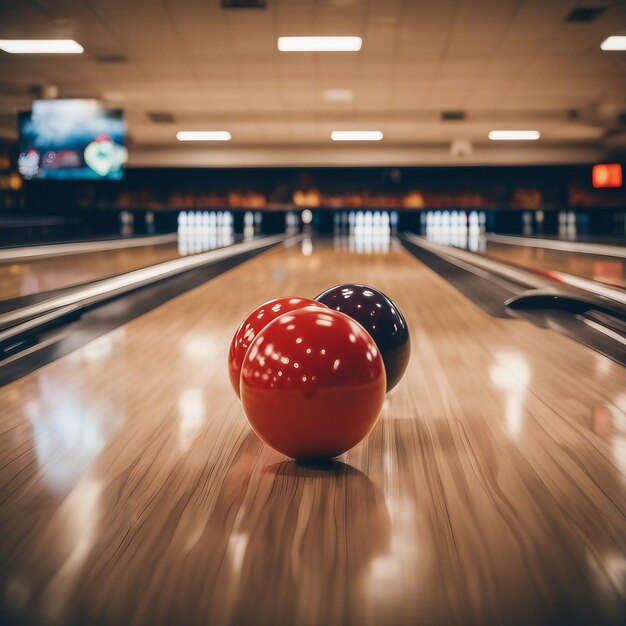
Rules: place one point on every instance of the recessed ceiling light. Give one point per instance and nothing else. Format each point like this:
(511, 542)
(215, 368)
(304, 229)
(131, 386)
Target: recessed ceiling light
(338, 95)
(203, 135)
(613, 43)
(356, 135)
(41, 46)
(319, 44)
(514, 135)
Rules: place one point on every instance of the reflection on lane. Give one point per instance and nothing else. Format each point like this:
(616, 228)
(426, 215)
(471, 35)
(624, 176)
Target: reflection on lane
(304, 525)
(366, 243)
(609, 423)
(76, 524)
(511, 374)
(68, 431)
(192, 413)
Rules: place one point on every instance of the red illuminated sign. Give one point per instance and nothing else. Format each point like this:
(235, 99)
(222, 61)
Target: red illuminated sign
(606, 175)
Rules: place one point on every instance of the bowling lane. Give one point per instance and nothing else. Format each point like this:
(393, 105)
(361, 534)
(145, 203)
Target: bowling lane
(30, 277)
(604, 269)
(491, 491)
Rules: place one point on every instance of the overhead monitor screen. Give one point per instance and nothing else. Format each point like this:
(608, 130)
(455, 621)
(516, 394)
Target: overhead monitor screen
(71, 139)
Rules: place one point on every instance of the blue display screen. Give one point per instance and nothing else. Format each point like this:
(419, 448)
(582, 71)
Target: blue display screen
(71, 139)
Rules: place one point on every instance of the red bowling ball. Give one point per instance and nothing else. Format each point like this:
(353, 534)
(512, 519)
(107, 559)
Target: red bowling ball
(253, 324)
(313, 383)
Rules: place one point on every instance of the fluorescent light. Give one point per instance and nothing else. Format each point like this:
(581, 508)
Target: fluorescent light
(615, 42)
(356, 135)
(319, 44)
(338, 95)
(203, 135)
(514, 135)
(41, 46)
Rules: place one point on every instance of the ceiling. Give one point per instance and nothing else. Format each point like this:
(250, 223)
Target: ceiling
(505, 63)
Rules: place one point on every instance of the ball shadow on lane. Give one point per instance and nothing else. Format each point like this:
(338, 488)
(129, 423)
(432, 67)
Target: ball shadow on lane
(312, 539)
(347, 507)
(311, 469)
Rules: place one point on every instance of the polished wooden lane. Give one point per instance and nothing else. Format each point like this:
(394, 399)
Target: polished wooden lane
(491, 492)
(29, 277)
(605, 269)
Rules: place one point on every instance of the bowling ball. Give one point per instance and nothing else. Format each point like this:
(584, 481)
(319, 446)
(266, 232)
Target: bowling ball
(381, 318)
(253, 324)
(312, 383)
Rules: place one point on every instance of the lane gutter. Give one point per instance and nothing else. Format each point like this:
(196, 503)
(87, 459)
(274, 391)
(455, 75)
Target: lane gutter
(581, 309)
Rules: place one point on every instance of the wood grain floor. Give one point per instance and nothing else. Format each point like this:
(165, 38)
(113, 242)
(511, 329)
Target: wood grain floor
(29, 277)
(609, 270)
(491, 492)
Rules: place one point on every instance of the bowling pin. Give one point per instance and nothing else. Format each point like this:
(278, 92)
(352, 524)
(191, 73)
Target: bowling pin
(359, 222)
(473, 222)
(182, 222)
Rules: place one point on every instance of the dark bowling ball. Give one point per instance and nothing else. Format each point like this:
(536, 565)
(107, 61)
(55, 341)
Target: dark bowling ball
(382, 319)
